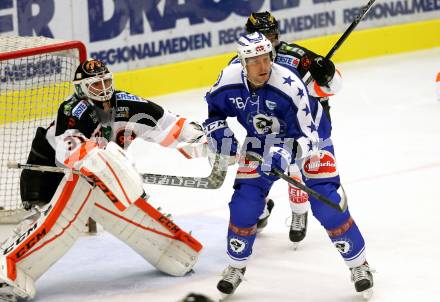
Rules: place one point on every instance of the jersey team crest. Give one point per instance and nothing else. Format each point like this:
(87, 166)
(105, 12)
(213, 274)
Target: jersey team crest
(266, 124)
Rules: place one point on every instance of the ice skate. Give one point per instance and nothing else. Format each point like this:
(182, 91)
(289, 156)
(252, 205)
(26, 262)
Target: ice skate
(263, 219)
(6, 293)
(363, 280)
(232, 278)
(298, 228)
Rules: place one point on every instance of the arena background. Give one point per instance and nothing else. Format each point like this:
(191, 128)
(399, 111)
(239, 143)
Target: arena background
(164, 46)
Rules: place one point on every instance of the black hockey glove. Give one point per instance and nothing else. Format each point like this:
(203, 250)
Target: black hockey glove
(322, 70)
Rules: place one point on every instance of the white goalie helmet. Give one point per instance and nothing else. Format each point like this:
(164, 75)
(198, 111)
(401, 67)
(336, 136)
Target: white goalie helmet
(93, 80)
(253, 45)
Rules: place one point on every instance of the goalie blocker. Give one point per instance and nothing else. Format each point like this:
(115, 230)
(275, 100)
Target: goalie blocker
(110, 191)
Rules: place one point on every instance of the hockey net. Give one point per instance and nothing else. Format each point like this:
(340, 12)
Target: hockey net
(35, 77)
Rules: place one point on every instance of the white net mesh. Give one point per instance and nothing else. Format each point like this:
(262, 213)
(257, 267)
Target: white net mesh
(31, 89)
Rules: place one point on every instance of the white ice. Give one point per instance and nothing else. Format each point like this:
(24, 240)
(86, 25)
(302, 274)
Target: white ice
(386, 132)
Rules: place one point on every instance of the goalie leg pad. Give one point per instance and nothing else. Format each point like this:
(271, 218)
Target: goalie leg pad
(27, 255)
(23, 287)
(112, 172)
(151, 234)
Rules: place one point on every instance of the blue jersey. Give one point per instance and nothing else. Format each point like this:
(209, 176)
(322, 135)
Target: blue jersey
(281, 109)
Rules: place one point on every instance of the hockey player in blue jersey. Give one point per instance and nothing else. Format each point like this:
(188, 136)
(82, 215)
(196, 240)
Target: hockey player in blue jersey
(326, 81)
(284, 126)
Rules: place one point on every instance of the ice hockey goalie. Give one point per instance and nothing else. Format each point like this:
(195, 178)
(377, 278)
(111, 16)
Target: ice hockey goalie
(87, 138)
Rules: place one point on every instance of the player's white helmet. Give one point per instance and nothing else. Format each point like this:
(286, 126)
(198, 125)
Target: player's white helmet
(94, 81)
(253, 45)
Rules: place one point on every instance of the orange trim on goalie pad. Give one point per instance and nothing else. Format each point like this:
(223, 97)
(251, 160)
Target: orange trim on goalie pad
(341, 229)
(179, 234)
(80, 153)
(116, 177)
(23, 250)
(174, 133)
(98, 182)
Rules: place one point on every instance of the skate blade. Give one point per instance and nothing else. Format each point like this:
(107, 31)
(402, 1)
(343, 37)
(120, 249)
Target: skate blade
(295, 245)
(367, 294)
(224, 297)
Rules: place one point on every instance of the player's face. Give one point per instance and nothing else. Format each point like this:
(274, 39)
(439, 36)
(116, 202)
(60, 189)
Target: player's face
(258, 69)
(100, 87)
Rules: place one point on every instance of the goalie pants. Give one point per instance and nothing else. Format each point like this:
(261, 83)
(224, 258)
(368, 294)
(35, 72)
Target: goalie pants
(37, 187)
(248, 199)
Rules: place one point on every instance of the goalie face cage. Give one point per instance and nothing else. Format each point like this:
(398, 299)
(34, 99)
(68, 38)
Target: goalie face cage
(36, 76)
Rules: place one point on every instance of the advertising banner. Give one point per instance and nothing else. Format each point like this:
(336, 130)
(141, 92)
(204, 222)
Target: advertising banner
(132, 34)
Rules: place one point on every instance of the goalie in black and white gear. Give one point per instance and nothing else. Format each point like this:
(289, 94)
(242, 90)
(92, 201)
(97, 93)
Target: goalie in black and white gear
(92, 128)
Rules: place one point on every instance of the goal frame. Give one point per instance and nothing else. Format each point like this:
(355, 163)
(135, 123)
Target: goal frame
(13, 216)
(56, 47)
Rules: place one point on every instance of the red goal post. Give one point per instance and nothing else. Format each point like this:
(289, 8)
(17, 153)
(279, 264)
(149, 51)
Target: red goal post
(36, 75)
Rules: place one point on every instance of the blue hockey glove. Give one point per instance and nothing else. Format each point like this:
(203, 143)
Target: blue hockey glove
(277, 158)
(220, 138)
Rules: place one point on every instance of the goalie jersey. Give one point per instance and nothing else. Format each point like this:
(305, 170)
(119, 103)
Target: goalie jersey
(78, 120)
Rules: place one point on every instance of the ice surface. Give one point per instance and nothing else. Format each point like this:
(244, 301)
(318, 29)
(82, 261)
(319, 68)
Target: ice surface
(386, 132)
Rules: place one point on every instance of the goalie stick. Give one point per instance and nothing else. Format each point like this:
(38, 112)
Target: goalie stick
(213, 181)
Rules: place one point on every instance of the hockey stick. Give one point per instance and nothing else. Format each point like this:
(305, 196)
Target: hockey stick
(345, 35)
(212, 181)
(15, 165)
(341, 206)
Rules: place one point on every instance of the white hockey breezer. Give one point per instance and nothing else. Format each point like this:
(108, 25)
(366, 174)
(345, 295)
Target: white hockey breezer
(111, 192)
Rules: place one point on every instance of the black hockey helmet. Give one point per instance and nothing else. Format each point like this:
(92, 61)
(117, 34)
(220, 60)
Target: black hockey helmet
(265, 23)
(93, 80)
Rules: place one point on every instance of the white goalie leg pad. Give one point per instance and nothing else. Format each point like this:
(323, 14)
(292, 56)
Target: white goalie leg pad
(151, 234)
(299, 200)
(112, 172)
(23, 287)
(25, 256)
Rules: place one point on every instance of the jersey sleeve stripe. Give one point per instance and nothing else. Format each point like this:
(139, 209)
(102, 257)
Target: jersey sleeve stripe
(174, 133)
